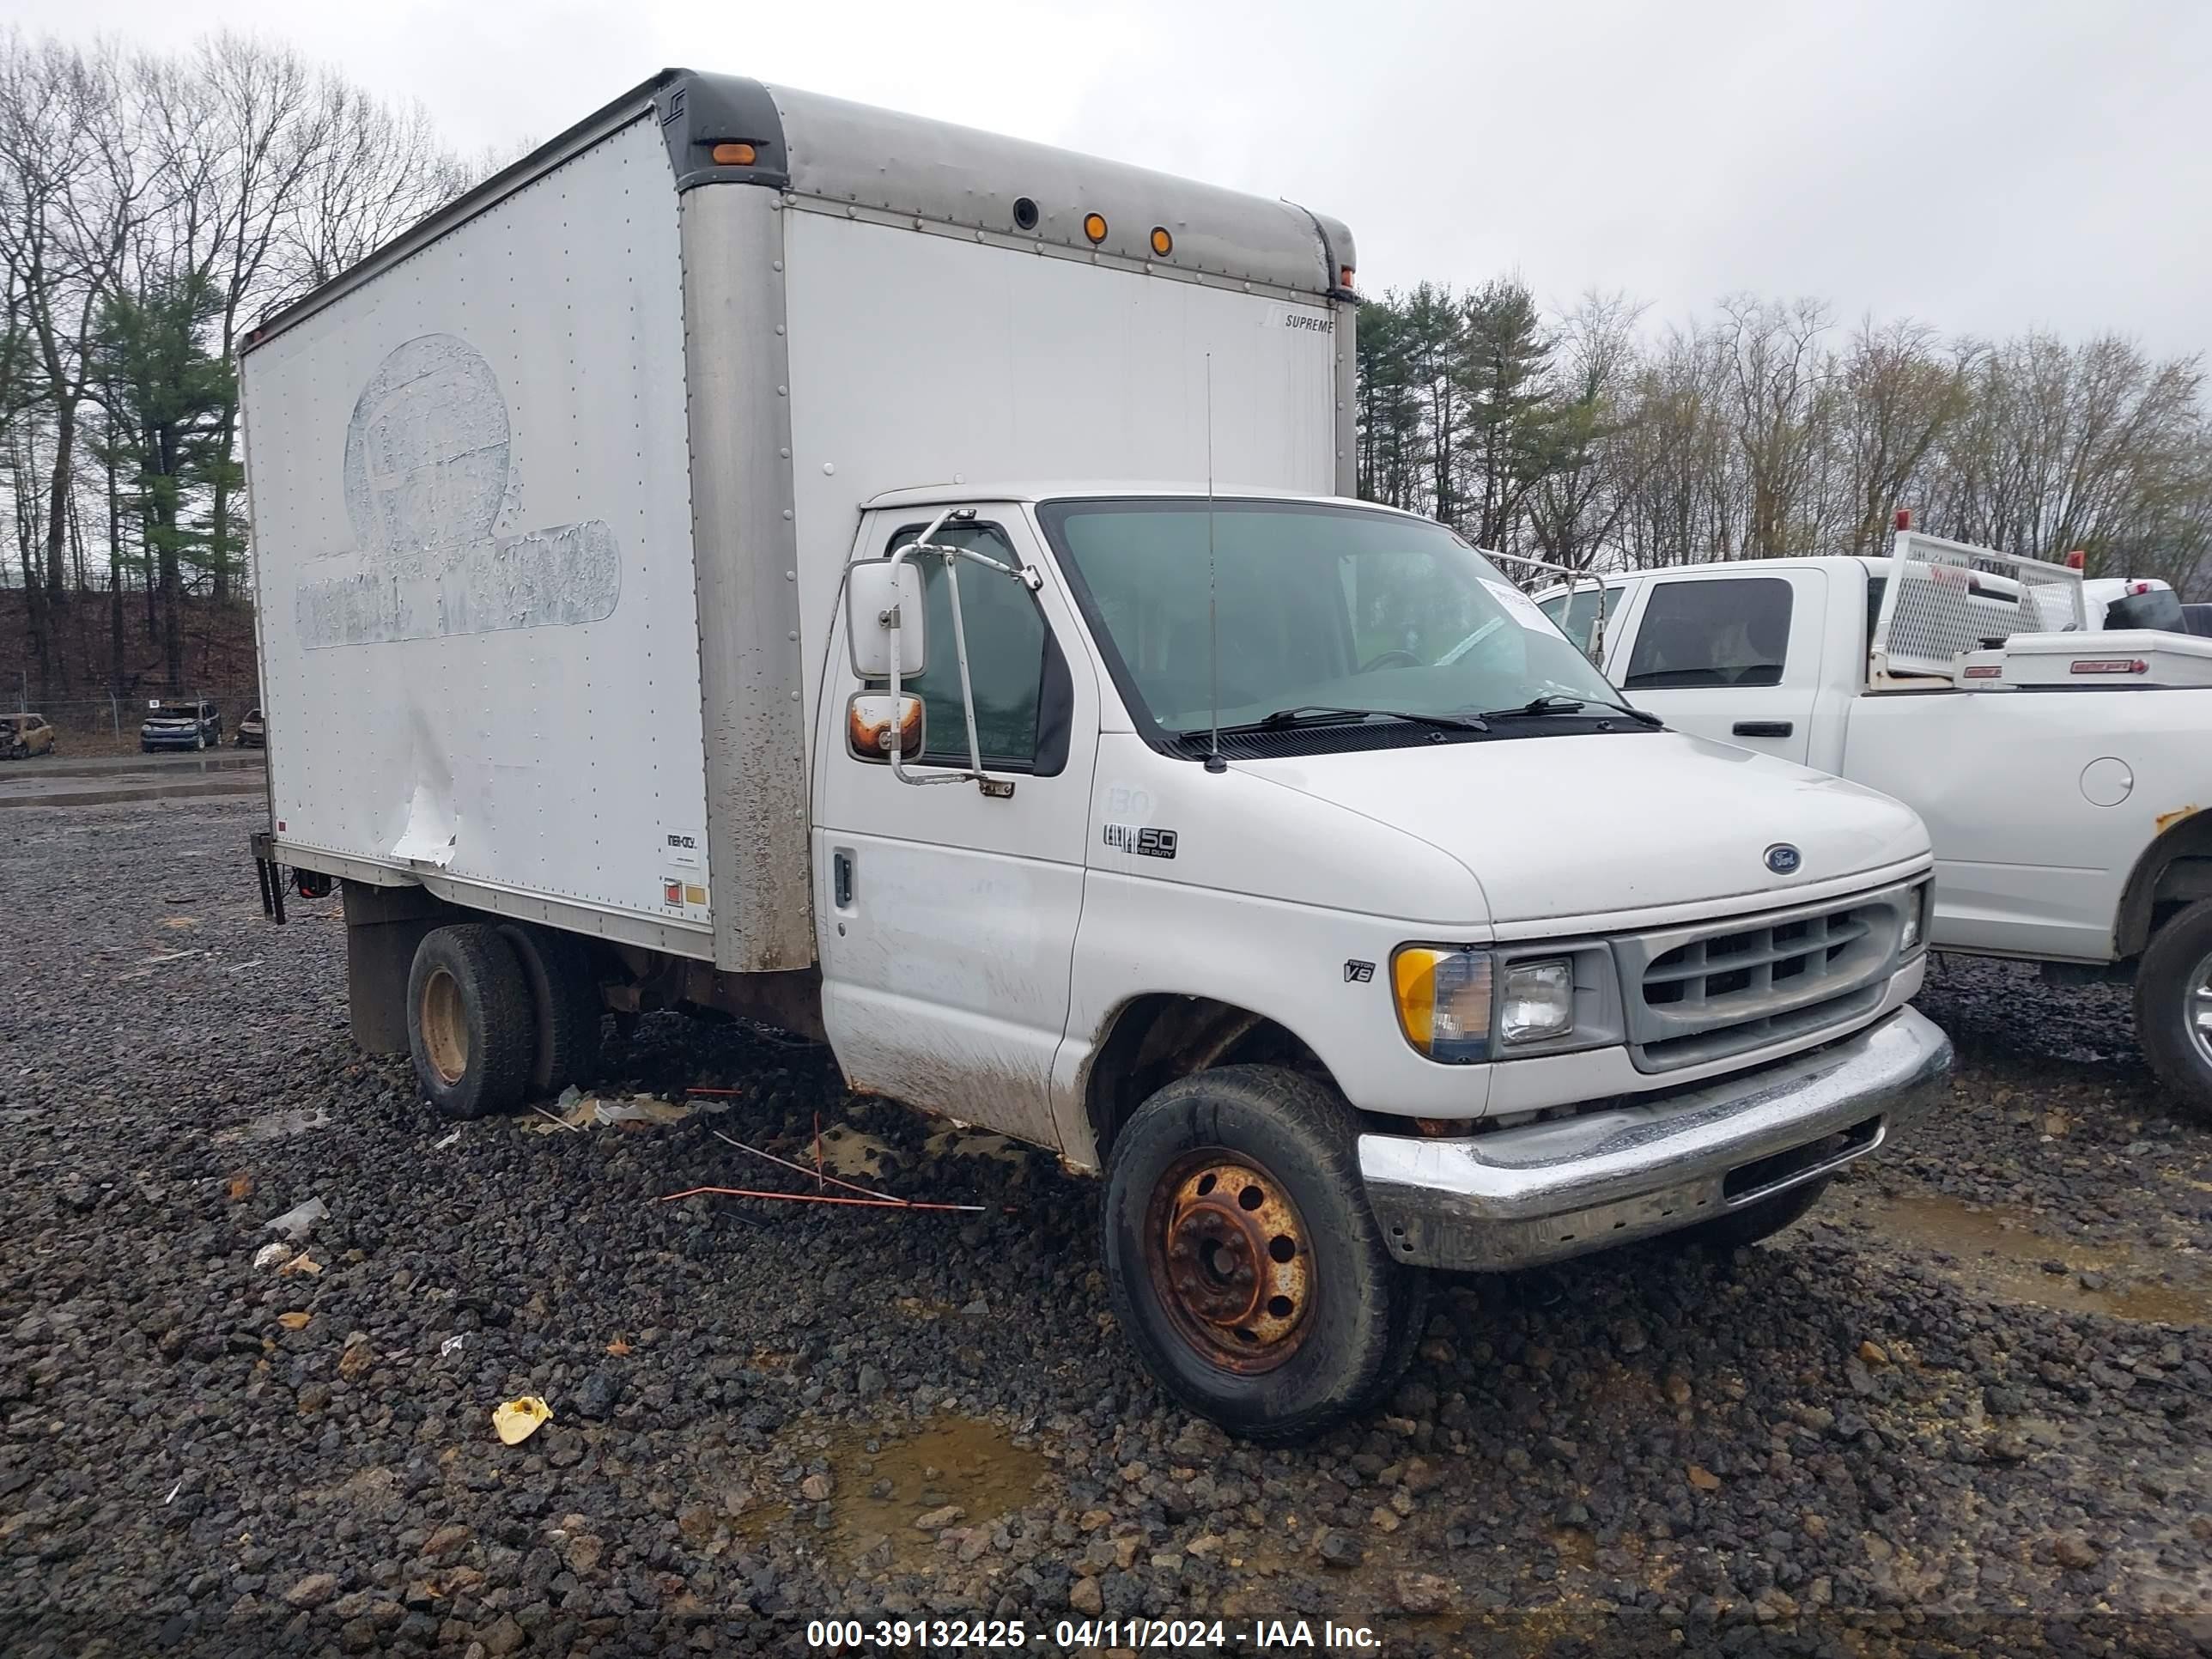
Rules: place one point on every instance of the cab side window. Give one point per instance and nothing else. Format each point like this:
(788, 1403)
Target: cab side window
(1719, 631)
(1576, 614)
(1015, 670)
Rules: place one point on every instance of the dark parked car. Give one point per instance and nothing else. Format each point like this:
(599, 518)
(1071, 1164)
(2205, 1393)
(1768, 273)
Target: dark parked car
(180, 723)
(253, 731)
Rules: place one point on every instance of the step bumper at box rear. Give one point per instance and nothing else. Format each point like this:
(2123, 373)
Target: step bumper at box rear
(1546, 1191)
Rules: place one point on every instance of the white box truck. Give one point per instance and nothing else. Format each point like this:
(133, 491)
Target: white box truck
(692, 573)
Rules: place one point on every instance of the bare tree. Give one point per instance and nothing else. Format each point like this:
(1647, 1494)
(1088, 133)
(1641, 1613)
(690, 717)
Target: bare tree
(68, 160)
(1898, 395)
(1591, 476)
(375, 171)
(1779, 379)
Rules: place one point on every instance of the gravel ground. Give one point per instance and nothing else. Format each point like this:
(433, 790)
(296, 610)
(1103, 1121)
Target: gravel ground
(1963, 1408)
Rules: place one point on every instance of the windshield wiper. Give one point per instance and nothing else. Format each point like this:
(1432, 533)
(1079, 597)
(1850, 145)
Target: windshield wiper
(1537, 707)
(1322, 714)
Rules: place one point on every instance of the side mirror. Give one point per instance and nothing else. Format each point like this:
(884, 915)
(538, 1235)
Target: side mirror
(869, 601)
(869, 726)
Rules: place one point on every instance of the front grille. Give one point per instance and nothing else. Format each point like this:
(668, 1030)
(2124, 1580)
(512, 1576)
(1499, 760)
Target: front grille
(1704, 992)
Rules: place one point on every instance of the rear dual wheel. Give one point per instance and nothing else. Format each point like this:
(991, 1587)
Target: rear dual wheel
(1243, 1261)
(566, 1007)
(497, 1010)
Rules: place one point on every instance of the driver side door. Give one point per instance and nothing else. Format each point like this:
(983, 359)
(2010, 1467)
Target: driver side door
(945, 917)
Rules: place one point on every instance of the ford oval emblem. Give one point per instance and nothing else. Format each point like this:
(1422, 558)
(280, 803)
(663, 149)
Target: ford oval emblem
(1784, 858)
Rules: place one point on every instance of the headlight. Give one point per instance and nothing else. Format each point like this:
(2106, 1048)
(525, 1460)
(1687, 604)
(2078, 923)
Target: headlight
(1443, 1002)
(1915, 919)
(1538, 1001)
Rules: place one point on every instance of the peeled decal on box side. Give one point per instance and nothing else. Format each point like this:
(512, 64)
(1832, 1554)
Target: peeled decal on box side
(427, 475)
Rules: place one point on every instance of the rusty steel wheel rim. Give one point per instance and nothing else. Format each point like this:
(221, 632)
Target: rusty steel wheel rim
(445, 1022)
(1230, 1261)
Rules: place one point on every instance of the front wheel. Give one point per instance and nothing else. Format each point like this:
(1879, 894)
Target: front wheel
(1244, 1260)
(2173, 1008)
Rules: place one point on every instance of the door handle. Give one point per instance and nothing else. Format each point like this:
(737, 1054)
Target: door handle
(841, 878)
(1763, 728)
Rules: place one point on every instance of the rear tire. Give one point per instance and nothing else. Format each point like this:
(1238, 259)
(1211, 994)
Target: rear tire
(1244, 1260)
(1755, 1221)
(469, 1024)
(2173, 994)
(565, 1005)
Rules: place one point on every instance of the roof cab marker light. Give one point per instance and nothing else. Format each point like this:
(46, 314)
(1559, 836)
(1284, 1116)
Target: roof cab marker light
(735, 155)
(2109, 666)
(1984, 671)
(1094, 226)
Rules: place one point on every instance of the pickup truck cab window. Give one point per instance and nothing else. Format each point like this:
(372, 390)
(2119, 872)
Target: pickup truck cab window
(1730, 632)
(1576, 614)
(1285, 609)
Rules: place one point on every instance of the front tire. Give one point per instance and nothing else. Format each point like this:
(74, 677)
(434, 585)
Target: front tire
(1244, 1260)
(2173, 1008)
(469, 1024)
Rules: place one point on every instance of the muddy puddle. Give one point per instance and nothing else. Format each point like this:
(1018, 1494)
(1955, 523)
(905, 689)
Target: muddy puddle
(277, 1125)
(2000, 1249)
(883, 1484)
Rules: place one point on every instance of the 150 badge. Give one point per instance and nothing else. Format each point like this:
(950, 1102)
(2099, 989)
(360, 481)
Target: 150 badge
(1144, 843)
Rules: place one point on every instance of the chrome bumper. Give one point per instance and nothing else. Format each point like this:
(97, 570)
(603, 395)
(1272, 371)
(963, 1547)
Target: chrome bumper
(1519, 1197)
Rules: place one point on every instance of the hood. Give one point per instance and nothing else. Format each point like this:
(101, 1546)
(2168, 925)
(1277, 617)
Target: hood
(1589, 825)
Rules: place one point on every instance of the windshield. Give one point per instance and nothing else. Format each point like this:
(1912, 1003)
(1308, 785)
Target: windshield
(1318, 606)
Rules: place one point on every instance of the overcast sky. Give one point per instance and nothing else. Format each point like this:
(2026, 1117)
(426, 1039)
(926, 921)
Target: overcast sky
(1986, 166)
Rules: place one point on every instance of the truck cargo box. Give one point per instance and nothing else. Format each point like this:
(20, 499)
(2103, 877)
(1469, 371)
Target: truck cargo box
(551, 497)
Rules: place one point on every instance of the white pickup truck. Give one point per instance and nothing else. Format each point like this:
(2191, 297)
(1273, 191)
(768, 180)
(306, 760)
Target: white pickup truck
(648, 621)
(2053, 738)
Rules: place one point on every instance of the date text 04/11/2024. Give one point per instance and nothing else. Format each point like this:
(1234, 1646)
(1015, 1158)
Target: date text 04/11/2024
(1076, 1635)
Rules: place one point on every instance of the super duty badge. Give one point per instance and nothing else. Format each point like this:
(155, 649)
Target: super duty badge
(1144, 843)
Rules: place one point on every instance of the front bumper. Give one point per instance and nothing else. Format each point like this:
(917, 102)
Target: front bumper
(1519, 1197)
(170, 739)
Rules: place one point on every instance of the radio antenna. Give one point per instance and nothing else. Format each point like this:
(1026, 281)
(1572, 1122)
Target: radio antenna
(1213, 761)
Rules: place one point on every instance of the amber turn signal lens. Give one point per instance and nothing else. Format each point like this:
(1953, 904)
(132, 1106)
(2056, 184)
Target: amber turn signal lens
(1163, 244)
(1094, 226)
(735, 155)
